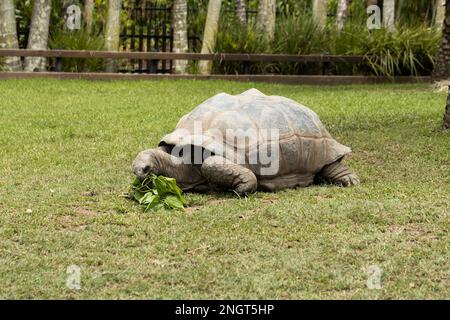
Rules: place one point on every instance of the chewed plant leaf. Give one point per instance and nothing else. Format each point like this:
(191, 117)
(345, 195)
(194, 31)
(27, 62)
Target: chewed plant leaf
(137, 195)
(157, 192)
(173, 202)
(149, 198)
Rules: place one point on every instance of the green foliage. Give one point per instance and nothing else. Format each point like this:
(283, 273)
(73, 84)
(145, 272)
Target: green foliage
(294, 7)
(23, 16)
(197, 11)
(405, 51)
(414, 13)
(297, 35)
(243, 39)
(233, 37)
(78, 40)
(357, 12)
(157, 192)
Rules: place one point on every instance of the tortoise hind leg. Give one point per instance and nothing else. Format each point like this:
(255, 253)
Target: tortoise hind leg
(229, 175)
(339, 174)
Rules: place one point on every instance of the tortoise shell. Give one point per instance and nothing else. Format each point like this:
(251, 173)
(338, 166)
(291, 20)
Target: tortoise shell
(238, 127)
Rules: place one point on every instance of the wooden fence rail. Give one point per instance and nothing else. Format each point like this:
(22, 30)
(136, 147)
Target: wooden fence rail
(179, 56)
(164, 56)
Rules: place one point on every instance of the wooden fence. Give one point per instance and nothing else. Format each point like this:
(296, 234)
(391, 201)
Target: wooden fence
(155, 57)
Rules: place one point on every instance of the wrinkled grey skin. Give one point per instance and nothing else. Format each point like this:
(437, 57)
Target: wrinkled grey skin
(308, 154)
(160, 162)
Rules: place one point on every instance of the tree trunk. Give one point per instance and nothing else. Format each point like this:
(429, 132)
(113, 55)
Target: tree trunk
(38, 37)
(446, 124)
(112, 37)
(8, 34)
(267, 12)
(442, 66)
(180, 33)
(241, 11)
(320, 12)
(342, 12)
(210, 33)
(88, 14)
(389, 14)
(439, 13)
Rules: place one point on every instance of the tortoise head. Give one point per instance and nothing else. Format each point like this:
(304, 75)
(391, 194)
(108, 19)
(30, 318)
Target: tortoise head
(146, 163)
(160, 162)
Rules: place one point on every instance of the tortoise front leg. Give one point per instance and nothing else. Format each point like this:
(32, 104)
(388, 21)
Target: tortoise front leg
(339, 174)
(226, 174)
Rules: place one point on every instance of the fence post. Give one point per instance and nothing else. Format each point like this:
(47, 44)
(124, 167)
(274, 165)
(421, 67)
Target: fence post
(171, 48)
(446, 124)
(141, 46)
(246, 65)
(325, 68)
(149, 45)
(153, 64)
(58, 63)
(164, 46)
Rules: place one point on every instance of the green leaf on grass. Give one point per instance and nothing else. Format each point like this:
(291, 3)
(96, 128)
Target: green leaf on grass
(157, 192)
(173, 202)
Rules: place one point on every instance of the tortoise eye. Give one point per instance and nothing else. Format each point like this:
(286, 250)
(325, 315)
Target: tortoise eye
(146, 169)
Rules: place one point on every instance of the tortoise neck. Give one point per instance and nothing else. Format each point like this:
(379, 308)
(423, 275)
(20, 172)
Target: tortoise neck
(187, 175)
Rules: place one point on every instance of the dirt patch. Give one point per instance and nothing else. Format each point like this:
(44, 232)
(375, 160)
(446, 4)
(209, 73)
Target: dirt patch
(217, 201)
(90, 193)
(267, 201)
(197, 207)
(323, 197)
(85, 212)
(412, 230)
(193, 209)
(70, 222)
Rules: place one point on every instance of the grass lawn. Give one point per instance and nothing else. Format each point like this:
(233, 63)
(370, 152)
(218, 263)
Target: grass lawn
(66, 151)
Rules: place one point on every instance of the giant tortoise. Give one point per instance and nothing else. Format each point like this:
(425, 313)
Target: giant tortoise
(245, 143)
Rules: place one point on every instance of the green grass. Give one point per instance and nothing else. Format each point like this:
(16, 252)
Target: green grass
(66, 152)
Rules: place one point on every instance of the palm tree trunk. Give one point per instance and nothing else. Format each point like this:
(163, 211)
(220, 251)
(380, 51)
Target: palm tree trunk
(320, 12)
(88, 14)
(241, 11)
(442, 66)
(446, 124)
(342, 14)
(439, 13)
(180, 33)
(112, 37)
(267, 12)
(210, 33)
(8, 34)
(38, 38)
(389, 14)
